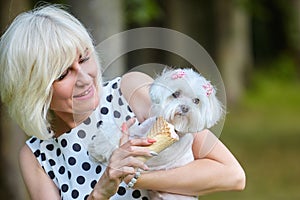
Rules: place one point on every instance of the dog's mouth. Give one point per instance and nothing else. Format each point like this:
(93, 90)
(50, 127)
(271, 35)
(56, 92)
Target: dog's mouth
(179, 133)
(180, 114)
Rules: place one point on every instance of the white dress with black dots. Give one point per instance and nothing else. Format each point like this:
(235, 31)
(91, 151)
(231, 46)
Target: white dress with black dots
(65, 159)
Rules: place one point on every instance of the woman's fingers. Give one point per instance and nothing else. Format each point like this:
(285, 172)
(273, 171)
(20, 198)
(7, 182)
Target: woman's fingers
(124, 128)
(128, 165)
(123, 161)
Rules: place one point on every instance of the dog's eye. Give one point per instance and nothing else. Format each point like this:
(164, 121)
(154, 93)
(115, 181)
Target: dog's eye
(176, 94)
(196, 101)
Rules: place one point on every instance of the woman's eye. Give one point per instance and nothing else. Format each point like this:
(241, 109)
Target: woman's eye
(63, 75)
(196, 101)
(176, 94)
(83, 60)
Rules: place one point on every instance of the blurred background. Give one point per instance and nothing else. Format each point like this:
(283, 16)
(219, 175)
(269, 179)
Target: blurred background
(256, 46)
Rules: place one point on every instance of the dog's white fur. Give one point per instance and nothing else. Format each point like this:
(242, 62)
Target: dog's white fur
(185, 99)
(188, 101)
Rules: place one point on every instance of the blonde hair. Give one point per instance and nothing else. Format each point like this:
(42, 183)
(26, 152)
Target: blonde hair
(35, 50)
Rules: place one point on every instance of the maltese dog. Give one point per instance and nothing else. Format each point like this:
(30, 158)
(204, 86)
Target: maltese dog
(185, 99)
(188, 101)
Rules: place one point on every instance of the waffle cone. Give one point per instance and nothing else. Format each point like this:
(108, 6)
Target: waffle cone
(161, 131)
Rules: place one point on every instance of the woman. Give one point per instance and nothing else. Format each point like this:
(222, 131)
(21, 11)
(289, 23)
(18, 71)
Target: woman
(51, 85)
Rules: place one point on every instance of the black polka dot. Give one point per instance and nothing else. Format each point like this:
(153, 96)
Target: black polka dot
(50, 147)
(120, 92)
(99, 123)
(121, 191)
(43, 156)
(104, 110)
(69, 175)
(145, 198)
(93, 183)
(58, 152)
(81, 134)
(62, 170)
(76, 147)
(136, 194)
(72, 161)
(98, 169)
(115, 85)
(87, 121)
(37, 153)
(86, 197)
(64, 188)
(52, 162)
(64, 143)
(86, 166)
(117, 114)
(105, 84)
(33, 140)
(75, 194)
(129, 109)
(80, 180)
(127, 117)
(51, 174)
(120, 102)
(109, 98)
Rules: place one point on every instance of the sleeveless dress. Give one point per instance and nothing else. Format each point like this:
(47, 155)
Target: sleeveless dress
(66, 160)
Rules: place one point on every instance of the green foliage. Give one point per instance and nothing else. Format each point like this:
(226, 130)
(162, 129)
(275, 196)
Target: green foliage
(142, 12)
(263, 133)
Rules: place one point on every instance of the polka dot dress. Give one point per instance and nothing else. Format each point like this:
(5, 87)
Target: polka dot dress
(66, 160)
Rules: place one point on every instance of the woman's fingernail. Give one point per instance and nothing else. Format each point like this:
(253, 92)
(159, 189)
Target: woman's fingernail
(153, 153)
(150, 140)
(146, 168)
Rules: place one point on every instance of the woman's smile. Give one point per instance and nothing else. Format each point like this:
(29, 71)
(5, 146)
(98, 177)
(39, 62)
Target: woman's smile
(86, 94)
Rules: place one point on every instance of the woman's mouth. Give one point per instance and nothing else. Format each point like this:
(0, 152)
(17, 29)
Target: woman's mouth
(86, 94)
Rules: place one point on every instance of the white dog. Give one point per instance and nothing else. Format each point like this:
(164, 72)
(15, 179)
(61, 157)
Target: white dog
(185, 99)
(188, 101)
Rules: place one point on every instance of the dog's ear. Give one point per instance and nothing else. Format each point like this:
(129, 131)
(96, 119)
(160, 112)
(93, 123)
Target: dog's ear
(155, 93)
(214, 110)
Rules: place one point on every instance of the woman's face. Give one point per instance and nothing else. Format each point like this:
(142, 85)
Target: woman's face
(75, 92)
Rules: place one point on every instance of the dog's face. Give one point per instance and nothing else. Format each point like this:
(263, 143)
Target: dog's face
(185, 99)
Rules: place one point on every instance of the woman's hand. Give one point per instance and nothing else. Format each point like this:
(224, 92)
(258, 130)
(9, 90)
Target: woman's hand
(122, 163)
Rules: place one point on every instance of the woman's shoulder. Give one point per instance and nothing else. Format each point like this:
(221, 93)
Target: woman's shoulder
(27, 159)
(135, 88)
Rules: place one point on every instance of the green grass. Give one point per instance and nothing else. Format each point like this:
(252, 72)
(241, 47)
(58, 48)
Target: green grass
(264, 134)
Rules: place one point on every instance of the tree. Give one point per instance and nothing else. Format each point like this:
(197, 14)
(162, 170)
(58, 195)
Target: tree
(233, 46)
(12, 138)
(103, 19)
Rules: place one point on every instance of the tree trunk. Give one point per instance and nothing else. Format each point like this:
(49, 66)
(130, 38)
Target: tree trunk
(295, 35)
(103, 19)
(233, 50)
(12, 138)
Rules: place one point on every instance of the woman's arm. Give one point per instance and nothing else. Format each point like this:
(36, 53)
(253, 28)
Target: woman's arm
(217, 171)
(214, 168)
(135, 88)
(38, 183)
(122, 164)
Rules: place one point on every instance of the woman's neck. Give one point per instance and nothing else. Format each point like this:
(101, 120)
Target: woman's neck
(64, 122)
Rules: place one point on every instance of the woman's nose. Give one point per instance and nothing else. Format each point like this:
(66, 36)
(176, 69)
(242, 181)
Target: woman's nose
(83, 78)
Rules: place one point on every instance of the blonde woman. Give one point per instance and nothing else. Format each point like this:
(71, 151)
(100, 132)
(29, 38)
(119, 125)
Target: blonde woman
(51, 85)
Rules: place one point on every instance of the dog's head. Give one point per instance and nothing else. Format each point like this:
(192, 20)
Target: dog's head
(185, 99)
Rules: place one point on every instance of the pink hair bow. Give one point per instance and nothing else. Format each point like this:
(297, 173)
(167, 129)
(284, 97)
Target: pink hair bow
(208, 88)
(178, 74)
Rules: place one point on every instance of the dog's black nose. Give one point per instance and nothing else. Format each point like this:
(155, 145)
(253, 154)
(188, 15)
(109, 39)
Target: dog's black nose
(184, 108)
